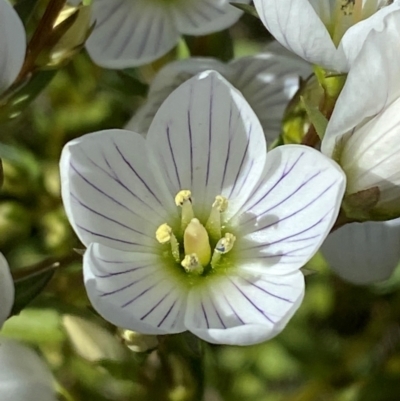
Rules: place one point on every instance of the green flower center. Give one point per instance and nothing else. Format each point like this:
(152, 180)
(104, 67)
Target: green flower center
(203, 247)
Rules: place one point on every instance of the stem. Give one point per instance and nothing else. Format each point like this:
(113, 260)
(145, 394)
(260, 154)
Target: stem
(39, 38)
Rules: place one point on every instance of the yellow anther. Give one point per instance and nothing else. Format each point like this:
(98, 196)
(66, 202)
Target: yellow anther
(191, 264)
(196, 241)
(223, 246)
(184, 200)
(183, 196)
(220, 203)
(163, 234)
(226, 243)
(213, 224)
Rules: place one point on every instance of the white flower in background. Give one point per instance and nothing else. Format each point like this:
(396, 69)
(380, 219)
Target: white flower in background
(12, 45)
(328, 33)
(23, 375)
(364, 253)
(267, 81)
(6, 290)
(129, 33)
(363, 134)
(195, 227)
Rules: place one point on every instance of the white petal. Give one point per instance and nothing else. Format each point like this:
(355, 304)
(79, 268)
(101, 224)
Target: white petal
(6, 290)
(207, 139)
(109, 192)
(201, 17)
(268, 81)
(354, 38)
(137, 291)
(364, 253)
(243, 309)
(291, 211)
(130, 33)
(376, 59)
(165, 82)
(370, 157)
(12, 44)
(23, 375)
(298, 27)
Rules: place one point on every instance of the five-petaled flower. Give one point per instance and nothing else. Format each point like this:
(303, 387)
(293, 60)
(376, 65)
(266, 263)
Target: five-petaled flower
(329, 33)
(196, 227)
(129, 33)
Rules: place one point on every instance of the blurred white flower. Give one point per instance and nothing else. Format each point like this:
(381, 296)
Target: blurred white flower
(329, 33)
(195, 227)
(267, 81)
(363, 134)
(6, 290)
(130, 33)
(364, 253)
(23, 375)
(12, 45)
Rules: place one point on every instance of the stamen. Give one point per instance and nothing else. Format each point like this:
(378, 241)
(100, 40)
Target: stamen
(191, 264)
(213, 225)
(184, 200)
(224, 245)
(164, 235)
(196, 241)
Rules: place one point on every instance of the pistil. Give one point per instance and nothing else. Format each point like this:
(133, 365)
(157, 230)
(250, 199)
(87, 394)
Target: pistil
(196, 241)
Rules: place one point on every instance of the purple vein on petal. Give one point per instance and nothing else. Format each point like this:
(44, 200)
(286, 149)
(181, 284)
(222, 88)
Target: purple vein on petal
(108, 218)
(281, 202)
(108, 275)
(156, 305)
(286, 254)
(210, 124)
(241, 163)
(205, 315)
(173, 158)
(115, 178)
(190, 134)
(136, 174)
(167, 314)
(267, 292)
(130, 285)
(214, 7)
(229, 147)
(145, 36)
(112, 238)
(217, 313)
(130, 302)
(285, 173)
(251, 302)
(233, 310)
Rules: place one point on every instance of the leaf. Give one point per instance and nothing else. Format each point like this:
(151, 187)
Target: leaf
(247, 8)
(318, 120)
(29, 284)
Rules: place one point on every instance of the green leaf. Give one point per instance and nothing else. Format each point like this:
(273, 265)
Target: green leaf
(316, 117)
(29, 284)
(247, 8)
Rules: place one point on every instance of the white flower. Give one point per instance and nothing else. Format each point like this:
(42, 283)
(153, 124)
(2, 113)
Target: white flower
(129, 33)
(329, 33)
(363, 132)
(12, 45)
(23, 375)
(6, 290)
(364, 253)
(268, 81)
(194, 228)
